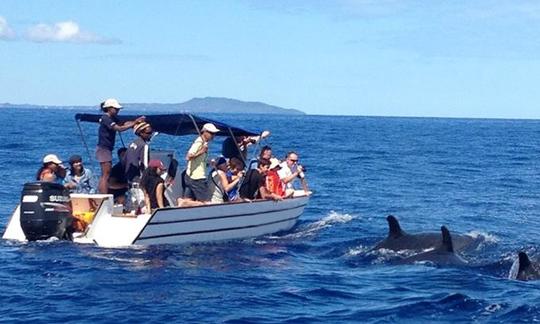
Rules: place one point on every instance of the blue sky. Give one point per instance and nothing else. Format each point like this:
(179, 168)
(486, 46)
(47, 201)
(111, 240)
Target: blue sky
(343, 57)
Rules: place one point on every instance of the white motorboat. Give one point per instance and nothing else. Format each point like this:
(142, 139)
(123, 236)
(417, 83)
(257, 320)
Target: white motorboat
(218, 222)
(107, 225)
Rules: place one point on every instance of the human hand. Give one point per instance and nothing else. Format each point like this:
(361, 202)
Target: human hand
(204, 148)
(140, 119)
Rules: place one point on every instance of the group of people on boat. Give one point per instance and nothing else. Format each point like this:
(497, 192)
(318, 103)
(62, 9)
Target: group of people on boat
(141, 179)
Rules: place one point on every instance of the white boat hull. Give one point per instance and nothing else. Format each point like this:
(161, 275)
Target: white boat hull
(177, 225)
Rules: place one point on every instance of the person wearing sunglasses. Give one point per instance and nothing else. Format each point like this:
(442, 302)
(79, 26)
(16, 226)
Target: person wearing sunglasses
(291, 170)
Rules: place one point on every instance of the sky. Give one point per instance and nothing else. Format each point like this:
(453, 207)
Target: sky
(477, 59)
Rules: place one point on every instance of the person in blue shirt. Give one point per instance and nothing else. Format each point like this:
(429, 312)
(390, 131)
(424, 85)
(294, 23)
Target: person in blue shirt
(108, 126)
(79, 179)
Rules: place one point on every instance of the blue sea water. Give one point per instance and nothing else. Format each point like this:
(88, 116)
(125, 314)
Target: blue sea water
(475, 176)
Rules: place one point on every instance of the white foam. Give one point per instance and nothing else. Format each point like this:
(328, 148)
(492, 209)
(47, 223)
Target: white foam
(513, 273)
(488, 238)
(311, 229)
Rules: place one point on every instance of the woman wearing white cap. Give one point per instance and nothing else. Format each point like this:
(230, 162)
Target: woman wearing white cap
(108, 126)
(51, 170)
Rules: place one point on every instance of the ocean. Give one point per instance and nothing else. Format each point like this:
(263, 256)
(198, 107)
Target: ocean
(476, 176)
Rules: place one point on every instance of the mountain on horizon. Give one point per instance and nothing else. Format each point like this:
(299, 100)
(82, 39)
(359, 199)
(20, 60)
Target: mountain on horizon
(195, 105)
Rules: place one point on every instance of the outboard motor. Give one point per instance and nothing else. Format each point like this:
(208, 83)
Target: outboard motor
(45, 211)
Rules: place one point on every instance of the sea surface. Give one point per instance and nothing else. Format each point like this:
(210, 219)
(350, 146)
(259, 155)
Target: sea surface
(475, 176)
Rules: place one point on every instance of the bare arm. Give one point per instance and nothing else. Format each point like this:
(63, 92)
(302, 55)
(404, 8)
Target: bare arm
(266, 194)
(227, 186)
(159, 195)
(147, 202)
(127, 125)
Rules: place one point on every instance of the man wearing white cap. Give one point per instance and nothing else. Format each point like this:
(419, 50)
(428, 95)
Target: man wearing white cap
(108, 126)
(197, 156)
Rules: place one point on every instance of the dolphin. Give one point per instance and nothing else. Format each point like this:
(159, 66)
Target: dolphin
(398, 239)
(443, 254)
(526, 270)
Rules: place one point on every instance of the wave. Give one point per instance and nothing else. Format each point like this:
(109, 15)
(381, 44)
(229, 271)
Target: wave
(311, 229)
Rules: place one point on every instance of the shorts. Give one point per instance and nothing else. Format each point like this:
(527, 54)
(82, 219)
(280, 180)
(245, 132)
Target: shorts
(103, 154)
(196, 189)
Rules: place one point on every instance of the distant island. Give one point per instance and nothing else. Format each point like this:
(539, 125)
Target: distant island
(195, 105)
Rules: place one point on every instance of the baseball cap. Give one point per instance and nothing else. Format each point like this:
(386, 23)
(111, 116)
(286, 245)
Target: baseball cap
(51, 158)
(111, 102)
(209, 127)
(274, 163)
(155, 163)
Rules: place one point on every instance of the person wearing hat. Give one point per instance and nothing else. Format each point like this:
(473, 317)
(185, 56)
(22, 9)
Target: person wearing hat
(254, 184)
(221, 184)
(291, 170)
(108, 126)
(138, 152)
(52, 169)
(195, 179)
(153, 186)
(273, 182)
(79, 179)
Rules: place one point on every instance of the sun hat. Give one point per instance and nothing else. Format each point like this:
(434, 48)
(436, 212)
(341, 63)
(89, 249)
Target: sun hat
(274, 163)
(139, 127)
(209, 127)
(155, 163)
(51, 158)
(111, 103)
(75, 158)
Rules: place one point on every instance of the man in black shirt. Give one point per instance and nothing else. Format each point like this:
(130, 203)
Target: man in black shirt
(138, 152)
(254, 185)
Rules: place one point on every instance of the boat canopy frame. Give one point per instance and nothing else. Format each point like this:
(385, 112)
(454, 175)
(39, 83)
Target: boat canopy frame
(179, 124)
(175, 124)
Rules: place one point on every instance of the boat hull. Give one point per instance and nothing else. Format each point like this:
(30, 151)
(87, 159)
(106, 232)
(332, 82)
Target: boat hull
(179, 225)
(221, 222)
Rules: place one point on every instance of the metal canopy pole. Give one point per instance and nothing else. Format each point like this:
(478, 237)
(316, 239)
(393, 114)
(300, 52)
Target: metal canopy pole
(84, 142)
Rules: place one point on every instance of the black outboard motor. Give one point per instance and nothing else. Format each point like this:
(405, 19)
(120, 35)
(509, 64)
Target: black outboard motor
(45, 211)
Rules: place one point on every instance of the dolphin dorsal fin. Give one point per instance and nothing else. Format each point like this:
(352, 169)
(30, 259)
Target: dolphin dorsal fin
(446, 240)
(394, 230)
(524, 261)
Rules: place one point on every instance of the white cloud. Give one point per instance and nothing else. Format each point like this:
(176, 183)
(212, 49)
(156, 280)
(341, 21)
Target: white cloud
(64, 32)
(6, 32)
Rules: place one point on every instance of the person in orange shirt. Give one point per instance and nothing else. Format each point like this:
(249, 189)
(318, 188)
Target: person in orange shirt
(273, 182)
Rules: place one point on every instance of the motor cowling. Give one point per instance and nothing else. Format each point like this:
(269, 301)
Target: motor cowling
(45, 211)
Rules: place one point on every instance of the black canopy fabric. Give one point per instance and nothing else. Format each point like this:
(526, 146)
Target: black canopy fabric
(174, 124)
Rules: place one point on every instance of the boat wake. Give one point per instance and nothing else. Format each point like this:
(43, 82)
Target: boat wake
(310, 229)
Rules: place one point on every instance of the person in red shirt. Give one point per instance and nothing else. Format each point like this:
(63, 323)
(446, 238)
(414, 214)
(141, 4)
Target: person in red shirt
(273, 182)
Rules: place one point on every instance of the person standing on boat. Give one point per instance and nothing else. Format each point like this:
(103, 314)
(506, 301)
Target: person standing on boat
(138, 152)
(79, 179)
(108, 126)
(196, 190)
